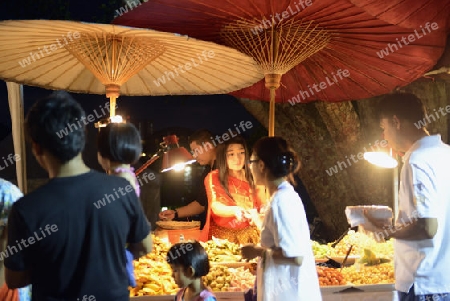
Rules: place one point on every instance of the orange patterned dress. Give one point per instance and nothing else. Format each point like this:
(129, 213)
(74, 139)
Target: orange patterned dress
(230, 228)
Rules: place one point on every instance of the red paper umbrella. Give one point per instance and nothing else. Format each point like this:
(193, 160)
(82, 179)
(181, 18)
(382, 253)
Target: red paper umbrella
(408, 13)
(328, 50)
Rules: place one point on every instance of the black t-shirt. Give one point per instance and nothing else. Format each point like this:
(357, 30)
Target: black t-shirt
(71, 235)
(202, 197)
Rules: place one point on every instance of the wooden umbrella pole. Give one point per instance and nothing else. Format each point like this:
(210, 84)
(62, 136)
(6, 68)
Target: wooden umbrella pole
(112, 92)
(272, 81)
(112, 106)
(272, 112)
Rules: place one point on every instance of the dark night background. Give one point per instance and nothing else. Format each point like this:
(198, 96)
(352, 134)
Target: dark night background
(155, 117)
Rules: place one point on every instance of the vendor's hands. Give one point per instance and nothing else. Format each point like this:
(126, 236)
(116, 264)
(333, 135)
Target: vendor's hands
(250, 251)
(167, 215)
(378, 227)
(240, 214)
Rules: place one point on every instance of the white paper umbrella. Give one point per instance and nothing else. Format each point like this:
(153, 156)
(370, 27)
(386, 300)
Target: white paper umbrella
(117, 60)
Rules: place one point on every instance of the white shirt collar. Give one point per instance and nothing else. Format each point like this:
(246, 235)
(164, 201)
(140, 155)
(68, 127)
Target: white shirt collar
(423, 142)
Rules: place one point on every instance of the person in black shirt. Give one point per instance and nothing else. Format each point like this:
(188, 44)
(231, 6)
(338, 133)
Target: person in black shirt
(66, 238)
(204, 151)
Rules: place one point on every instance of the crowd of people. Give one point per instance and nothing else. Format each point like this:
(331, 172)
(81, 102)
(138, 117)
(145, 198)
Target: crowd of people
(247, 197)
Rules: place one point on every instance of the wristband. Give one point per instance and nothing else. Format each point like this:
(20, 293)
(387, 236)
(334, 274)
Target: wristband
(176, 214)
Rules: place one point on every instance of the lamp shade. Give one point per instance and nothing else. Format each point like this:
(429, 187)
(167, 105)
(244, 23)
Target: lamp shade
(176, 159)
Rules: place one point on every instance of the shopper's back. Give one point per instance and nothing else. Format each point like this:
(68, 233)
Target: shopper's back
(67, 237)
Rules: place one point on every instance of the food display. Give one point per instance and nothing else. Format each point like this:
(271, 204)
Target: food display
(218, 278)
(153, 274)
(372, 274)
(221, 250)
(320, 251)
(230, 273)
(241, 279)
(358, 240)
(329, 276)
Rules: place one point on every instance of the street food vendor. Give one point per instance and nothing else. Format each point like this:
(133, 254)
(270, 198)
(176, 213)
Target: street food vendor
(232, 195)
(204, 151)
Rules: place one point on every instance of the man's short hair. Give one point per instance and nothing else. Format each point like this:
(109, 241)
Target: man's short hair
(55, 123)
(201, 136)
(405, 106)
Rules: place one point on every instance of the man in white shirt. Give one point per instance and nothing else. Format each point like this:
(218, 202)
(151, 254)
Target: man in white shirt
(422, 227)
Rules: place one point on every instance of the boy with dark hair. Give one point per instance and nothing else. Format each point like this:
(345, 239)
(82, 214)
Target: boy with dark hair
(66, 238)
(422, 227)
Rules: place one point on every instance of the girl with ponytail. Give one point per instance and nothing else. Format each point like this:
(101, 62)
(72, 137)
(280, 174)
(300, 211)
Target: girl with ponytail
(286, 251)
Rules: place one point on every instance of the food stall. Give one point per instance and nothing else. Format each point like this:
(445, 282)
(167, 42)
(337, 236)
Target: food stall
(366, 274)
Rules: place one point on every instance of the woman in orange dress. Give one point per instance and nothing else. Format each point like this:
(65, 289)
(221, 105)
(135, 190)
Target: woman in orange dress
(232, 196)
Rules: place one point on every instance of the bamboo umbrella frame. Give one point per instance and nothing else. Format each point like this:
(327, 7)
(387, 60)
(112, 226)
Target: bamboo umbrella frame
(114, 59)
(276, 49)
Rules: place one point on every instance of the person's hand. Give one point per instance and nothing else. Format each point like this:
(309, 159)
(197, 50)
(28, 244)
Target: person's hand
(167, 215)
(239, 214)
(376, 224)
(252, 216)
(380, 229)
(250, 251)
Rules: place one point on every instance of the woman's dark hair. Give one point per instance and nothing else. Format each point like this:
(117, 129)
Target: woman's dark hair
(189, 254)
(222, 166)
(56, 123)
(120, 142)
(278, 156)
(405, 106)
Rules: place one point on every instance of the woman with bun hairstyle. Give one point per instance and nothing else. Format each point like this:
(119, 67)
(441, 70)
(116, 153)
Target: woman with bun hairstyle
(287, 269)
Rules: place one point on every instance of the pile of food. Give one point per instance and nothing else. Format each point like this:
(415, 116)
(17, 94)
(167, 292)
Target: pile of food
(329, 276)
(218, 278)
(375, 274)
(360, 242)
(229, 273)
(320, 251)
(241, 279)
(221, 250)
(153, 274)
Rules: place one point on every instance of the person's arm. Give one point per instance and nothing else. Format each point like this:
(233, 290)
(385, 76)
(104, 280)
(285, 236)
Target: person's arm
(17, 279)
(193, 208)
(252, 251)
(2, 248)
(17, 274)
(139, 238)
(141, 248)
(421, 228)
(422, 224)
(226, 211)
(413, 229)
